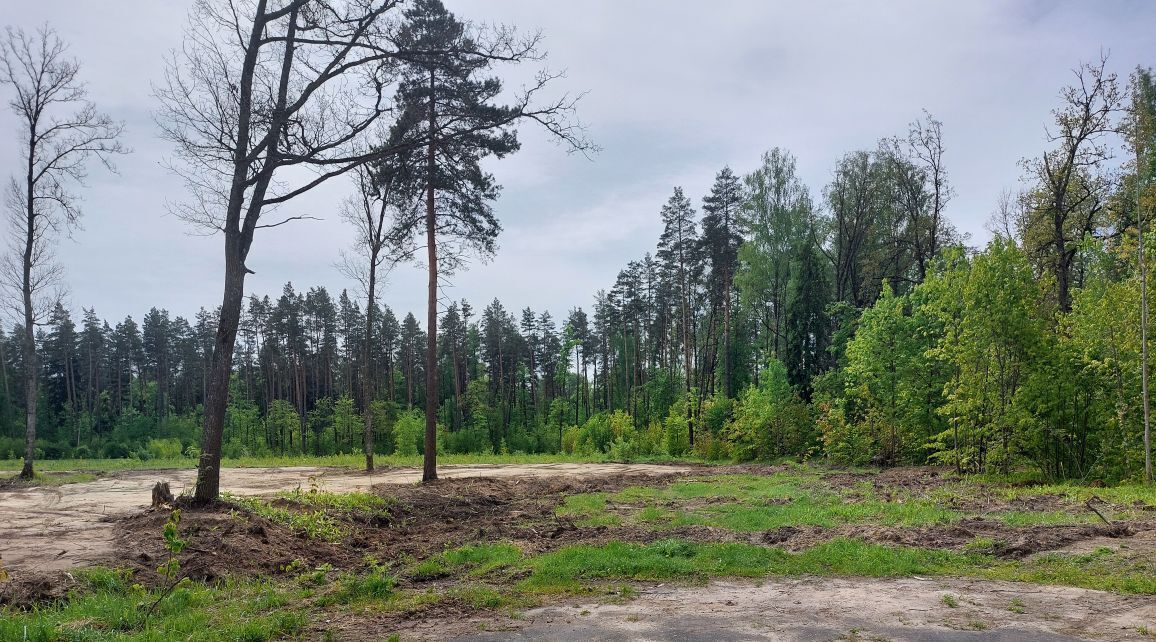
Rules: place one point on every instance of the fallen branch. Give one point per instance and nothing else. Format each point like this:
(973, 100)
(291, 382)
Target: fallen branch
(1092, 508)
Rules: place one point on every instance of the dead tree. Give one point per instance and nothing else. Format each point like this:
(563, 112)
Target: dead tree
(1073, 187)
(266, 100)
(60, 132)
(370, 210)
(925, 141)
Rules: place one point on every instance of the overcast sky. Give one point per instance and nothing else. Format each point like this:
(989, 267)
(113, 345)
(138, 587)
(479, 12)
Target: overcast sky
(676, 90)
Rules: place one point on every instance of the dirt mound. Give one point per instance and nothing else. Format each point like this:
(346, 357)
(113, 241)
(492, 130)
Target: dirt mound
(916, 480)
(36, 587)
(1006, 541)
(47, 528)
(421, 520)
(222, 541)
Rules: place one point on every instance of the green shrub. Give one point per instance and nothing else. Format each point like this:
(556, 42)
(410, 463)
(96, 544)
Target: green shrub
(845, 443)
(114, 450)
(770, 420)
(410, 433)
(164, 448)
(677, 430)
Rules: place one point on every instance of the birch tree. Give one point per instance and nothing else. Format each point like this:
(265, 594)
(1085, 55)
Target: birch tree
(61, 132)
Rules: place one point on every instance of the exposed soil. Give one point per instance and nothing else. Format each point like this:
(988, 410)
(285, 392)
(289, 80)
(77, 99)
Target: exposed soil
(50, 528)
(46, 531)
(107, 522)
(1012, 542)
(423, 520)
(822, 610)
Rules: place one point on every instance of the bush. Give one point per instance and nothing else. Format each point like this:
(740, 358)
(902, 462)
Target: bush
(468, 440)
(52, 450)
(676, 430)
(770, 420)
(164, 448)
(711, 447)
(596, 435)
(234, 449)
(409, 431)
(844, 442)
(570, 439)
(81, 452)
(11, 447)
(114, 450)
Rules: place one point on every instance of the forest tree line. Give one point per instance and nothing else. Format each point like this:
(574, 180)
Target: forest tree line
(773, 318)
(852, 323)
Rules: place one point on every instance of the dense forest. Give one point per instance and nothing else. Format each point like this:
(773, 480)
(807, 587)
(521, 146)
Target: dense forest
(848, 321)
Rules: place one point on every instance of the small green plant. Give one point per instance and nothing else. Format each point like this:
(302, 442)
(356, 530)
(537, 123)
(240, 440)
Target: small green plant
(1017, 605)
(312, 524)
(171, 569)
(949, 600)
(375, 583)
(317, 576)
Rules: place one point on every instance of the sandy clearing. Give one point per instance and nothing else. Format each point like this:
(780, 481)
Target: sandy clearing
(62, 527)
(822, 609)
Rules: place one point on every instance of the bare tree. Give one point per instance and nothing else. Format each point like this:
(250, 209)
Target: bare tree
(60, 132)
(925, 140)
(1010, 216)
(1073, 187)
(266, 100)
(370, 210)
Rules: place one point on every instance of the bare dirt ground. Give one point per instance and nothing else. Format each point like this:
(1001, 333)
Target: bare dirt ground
(825, 609)
(55, 528)
(107, 521)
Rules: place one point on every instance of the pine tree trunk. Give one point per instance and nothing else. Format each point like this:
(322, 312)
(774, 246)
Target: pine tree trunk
(728, 388)
(367, 374)
(430, 470)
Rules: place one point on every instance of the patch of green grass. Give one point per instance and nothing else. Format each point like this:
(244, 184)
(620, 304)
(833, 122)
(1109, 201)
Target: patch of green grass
(949, 600)
(588, 509)
(375, 584)
(51, 478)
(475, 559)
(1124, 494)
(567, 569)
(749, 503)
(111, 608)
(481, 596)
(1103, 570)
(741, 487)
(1043, 518)
(352, 502)
(312, 524)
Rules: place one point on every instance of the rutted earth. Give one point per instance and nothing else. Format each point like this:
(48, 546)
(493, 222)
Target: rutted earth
(105, 521)
(55, 528)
